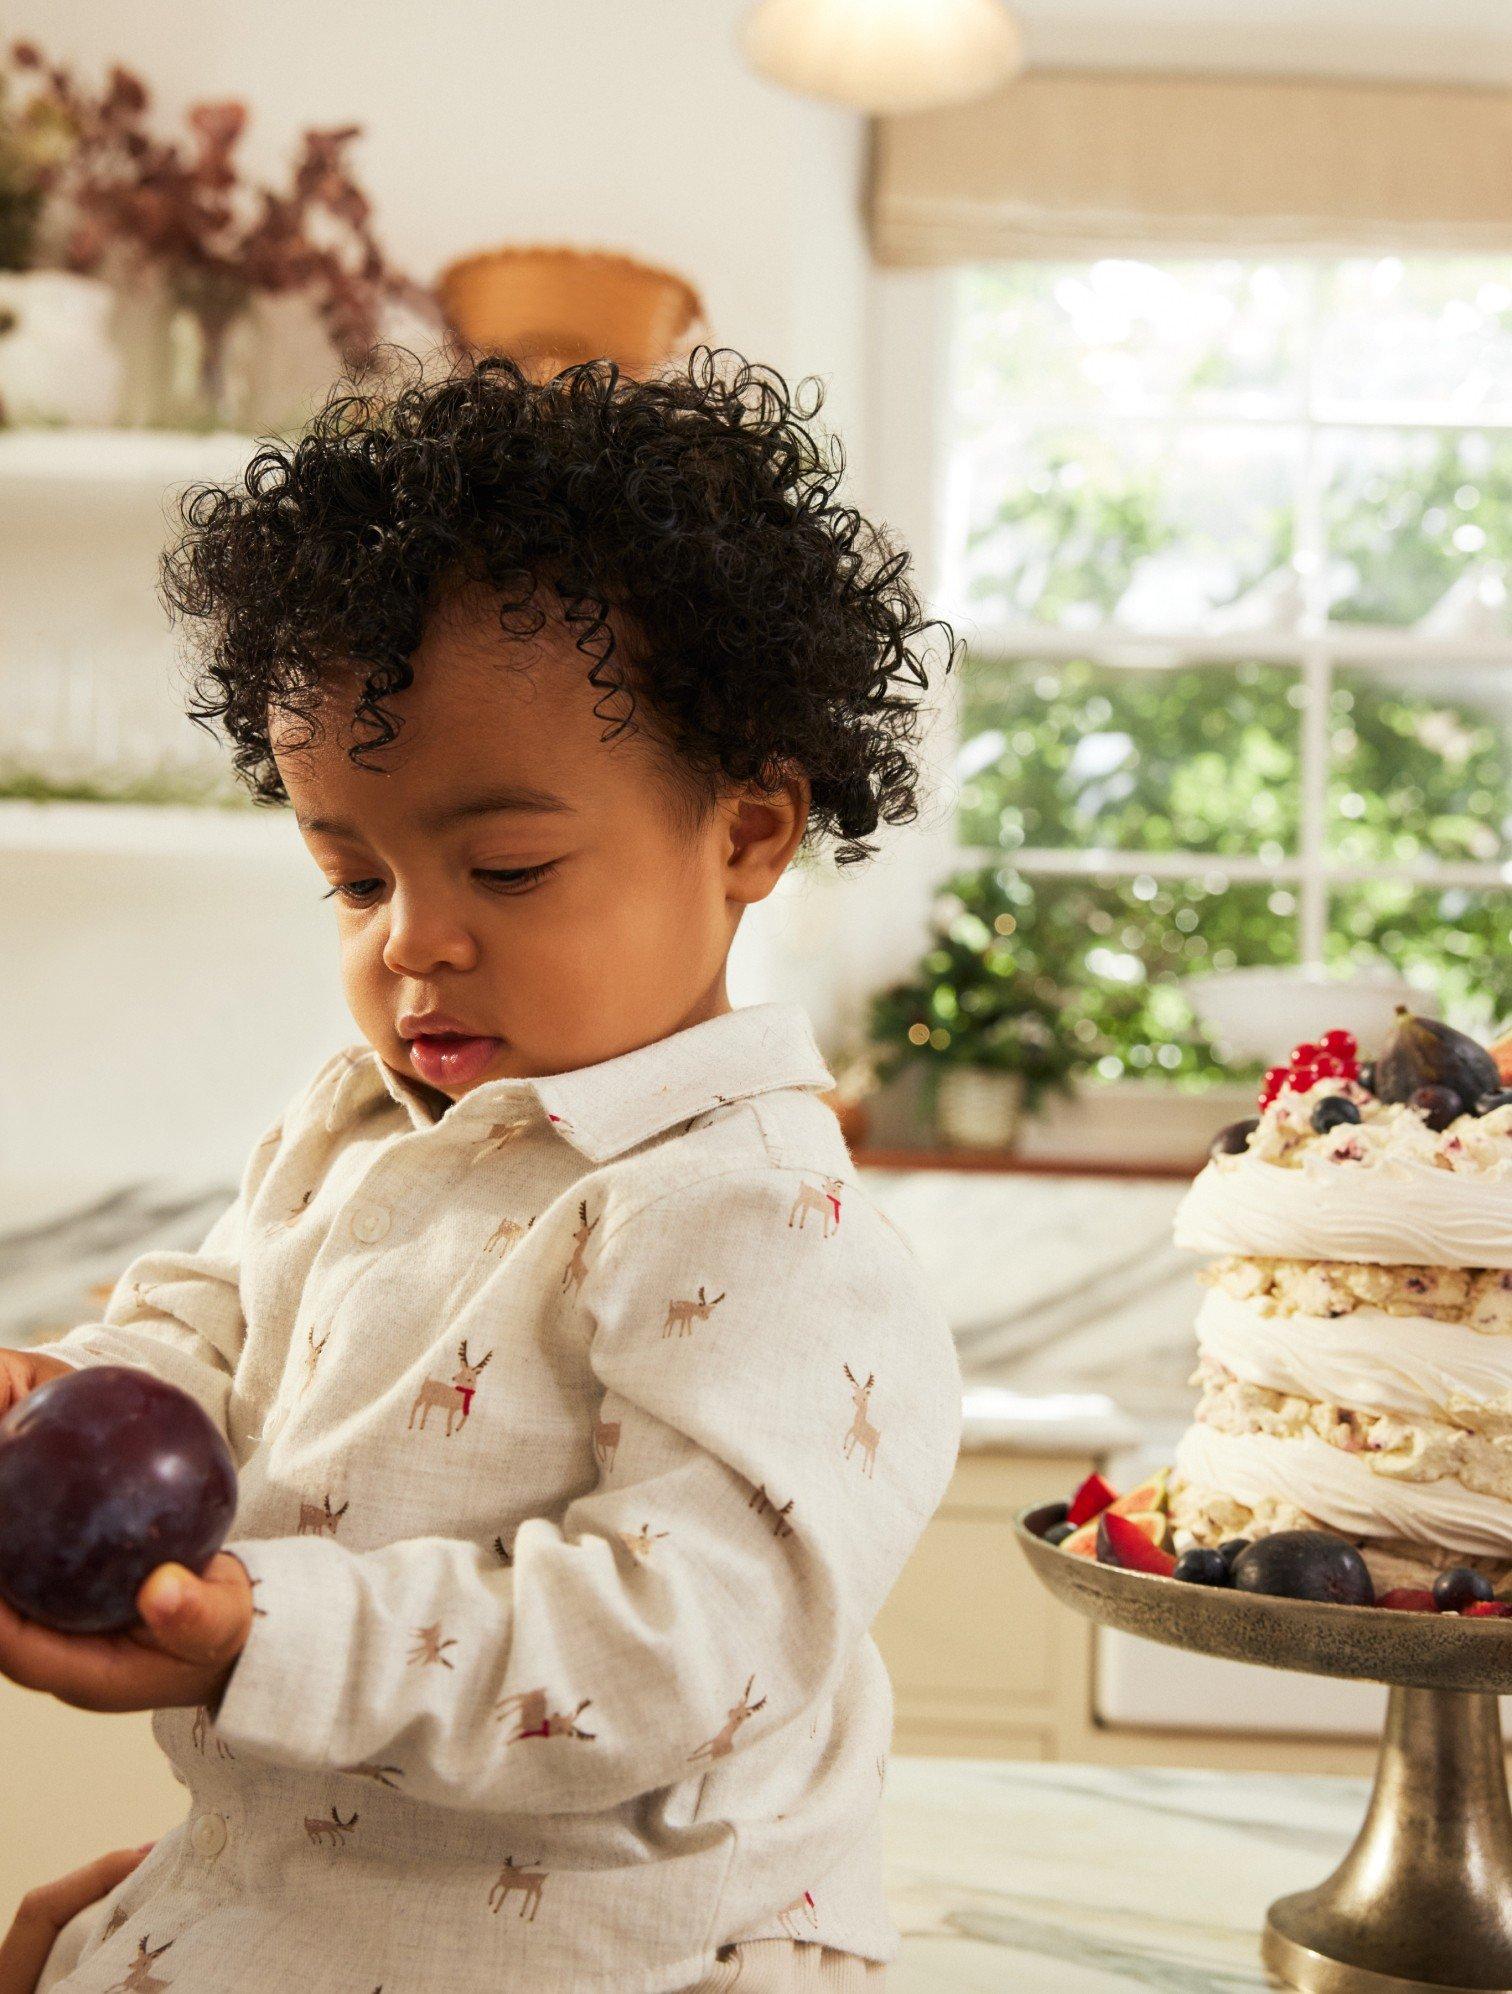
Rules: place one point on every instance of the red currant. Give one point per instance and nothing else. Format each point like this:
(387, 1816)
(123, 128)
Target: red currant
(1343, 1045)
(1275, 1080)
(1305, 1076)
(1305, 1054)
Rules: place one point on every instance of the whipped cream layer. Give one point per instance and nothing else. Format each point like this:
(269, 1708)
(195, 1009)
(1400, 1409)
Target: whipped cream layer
(1415, 1367)
(1398, 1210)
(1342, 1492)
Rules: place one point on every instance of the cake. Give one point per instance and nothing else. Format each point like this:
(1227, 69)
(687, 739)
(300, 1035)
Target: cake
(1355, 1342)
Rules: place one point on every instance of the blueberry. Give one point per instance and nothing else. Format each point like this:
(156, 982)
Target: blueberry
(1459, 1587)
(1202, 1568)
(1234, 1140)
(1332, 1110)
(1367, 1076)
(1230, 1549)
(1059, 1532)
(1438, 1106)
(1487, 1102)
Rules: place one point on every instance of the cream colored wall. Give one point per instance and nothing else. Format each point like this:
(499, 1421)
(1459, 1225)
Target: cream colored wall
(74, 1784)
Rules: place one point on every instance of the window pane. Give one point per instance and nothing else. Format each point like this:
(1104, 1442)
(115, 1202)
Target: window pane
(1155, 529)
(1125, 946)
(1221, 337)
(1203, 758)
(1410, 515)
(1435, 333)
(1456, 942)
(1422, 764)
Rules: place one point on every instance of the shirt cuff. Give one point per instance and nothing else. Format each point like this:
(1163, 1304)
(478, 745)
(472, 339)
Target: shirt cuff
(284, 1692)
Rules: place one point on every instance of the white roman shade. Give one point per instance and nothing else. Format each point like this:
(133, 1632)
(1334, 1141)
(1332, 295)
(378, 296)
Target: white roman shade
(1073, 163)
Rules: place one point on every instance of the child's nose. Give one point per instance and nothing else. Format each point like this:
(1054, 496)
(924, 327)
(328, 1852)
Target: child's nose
(425, 933)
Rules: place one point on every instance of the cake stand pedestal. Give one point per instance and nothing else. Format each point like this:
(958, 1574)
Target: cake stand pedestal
(1422, 1903)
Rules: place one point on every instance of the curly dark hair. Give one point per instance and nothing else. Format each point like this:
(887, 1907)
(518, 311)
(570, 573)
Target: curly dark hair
(766, 626)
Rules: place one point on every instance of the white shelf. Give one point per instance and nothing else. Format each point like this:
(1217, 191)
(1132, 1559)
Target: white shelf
(149, 830)
(115, 460)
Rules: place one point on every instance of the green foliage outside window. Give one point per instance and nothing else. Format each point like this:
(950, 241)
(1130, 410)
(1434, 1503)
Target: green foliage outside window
(1207, 758)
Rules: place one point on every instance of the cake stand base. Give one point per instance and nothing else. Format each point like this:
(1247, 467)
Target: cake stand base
(1422, 1904)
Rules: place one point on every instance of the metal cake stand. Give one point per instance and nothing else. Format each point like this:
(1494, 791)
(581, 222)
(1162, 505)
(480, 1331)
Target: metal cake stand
(1422, 1903)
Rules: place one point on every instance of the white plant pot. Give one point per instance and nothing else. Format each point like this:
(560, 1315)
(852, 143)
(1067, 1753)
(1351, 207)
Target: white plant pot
(976, 1108)
(58, 359)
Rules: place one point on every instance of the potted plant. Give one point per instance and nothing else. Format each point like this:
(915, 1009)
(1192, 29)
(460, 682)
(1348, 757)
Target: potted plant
(58, 359)
(181, 216)
(983, 1016)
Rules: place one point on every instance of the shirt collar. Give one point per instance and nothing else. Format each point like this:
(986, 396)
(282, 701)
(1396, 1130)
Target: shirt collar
(617, 1104)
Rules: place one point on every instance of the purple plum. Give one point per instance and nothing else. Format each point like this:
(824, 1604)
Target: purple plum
(105, 1474)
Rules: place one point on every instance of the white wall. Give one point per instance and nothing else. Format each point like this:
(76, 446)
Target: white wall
(635, 128)
(580, 121)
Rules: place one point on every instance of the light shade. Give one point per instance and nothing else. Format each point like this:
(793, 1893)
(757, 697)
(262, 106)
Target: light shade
(884, 55)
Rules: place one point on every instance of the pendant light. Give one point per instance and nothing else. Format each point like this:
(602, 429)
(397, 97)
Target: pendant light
(884, 55)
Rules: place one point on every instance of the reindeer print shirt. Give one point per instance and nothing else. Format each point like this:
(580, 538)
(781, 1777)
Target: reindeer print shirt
(582, 1425)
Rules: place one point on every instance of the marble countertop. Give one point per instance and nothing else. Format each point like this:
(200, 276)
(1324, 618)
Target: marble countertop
(1097, 1879)
(1073, 1312)
(1065, 1288)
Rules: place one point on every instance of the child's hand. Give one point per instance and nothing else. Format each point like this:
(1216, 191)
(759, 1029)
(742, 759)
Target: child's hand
(194, 1630)
(44, 1912)
(21, 1371)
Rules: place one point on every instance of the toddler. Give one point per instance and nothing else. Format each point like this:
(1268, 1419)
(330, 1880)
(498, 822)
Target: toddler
(584, 1406)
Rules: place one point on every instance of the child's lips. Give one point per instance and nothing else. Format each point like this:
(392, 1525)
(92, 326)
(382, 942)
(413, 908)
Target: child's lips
(448, 1059)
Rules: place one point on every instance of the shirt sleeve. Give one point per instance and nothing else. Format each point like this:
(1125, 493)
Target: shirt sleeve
(776, 1413)
(178, 1313)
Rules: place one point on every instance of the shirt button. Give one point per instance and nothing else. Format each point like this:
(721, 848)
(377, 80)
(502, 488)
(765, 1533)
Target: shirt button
(208, 1836)
(369, 1223)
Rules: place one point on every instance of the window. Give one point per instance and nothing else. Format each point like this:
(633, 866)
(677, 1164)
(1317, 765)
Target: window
(1228, 542)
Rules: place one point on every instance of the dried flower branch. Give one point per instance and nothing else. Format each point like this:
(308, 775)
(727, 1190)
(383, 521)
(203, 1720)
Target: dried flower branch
(185, 208)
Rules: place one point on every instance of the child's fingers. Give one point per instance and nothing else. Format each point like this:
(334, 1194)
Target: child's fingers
(44, 1912)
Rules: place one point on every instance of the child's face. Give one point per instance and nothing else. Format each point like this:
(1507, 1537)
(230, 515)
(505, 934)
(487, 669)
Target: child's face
(620, 942)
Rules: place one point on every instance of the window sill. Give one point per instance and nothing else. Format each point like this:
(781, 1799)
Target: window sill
(1119, 1128)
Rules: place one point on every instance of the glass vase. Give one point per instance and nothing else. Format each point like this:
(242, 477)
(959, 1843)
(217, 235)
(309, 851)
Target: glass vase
(210, 338)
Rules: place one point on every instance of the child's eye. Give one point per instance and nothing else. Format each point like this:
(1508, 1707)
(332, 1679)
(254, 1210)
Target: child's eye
(359, 892)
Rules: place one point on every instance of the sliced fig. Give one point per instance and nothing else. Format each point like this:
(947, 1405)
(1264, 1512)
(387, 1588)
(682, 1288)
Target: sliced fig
(1151, 1495)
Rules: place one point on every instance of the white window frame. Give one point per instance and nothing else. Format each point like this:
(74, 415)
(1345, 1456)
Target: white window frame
(1315, 647)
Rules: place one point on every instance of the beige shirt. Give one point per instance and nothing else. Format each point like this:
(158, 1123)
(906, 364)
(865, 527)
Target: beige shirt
(582, 1430)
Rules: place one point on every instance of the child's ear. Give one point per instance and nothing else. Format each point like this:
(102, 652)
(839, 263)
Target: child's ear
(764, 830)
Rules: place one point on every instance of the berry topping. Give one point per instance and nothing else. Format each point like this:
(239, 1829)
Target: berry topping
(1408, 1599)
(1438, 1106)
(1202, 1568)
(1459, 1587)
(1488, 1609)
(1059, 1532)
(1233, 1140)
(1342, 1045)
(1331, 1111)
(1230, 1549)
